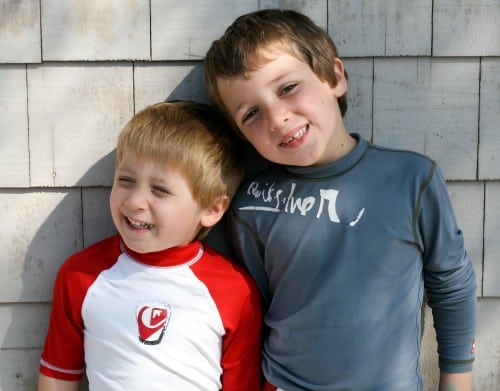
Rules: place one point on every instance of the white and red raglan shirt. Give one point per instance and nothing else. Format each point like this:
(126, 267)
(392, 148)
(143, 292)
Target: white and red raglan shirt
(185, 318)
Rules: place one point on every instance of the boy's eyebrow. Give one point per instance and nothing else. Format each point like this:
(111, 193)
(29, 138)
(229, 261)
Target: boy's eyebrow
(238, 108)
(123, 167)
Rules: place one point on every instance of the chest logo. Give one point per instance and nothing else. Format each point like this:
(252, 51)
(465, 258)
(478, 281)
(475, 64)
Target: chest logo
(282, 200)
(152, 320)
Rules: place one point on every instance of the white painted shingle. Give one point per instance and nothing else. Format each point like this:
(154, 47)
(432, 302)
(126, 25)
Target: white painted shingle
(467, 199)
(95, 30)
(97, 221)
(184, 31)
(23, 325)
(466, 28)
(14, 158)
(173, 80)
(358, 117)
(20, 31)
(489, 130)
(486, 369)
(76, 112)
(429, 360)
(19, 369)
(380, 28)
(317, 10)
(39, 230)
(492, 240)
(429, 106)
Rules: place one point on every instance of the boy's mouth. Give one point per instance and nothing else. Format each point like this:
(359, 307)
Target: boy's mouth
(295, 137)
(139, 224)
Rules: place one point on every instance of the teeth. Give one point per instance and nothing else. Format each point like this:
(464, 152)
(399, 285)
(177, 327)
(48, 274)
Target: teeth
(297, 135)
(139, 224)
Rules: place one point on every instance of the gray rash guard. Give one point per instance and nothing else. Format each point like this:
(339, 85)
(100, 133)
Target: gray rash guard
(342, 255)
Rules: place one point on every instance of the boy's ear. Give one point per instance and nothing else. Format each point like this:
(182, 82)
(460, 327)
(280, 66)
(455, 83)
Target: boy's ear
(341, 88)
(214, 212)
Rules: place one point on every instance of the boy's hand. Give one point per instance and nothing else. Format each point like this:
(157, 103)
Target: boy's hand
(455, 381)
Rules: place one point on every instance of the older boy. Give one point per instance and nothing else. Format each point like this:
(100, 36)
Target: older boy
(342, 236)
(153, 308)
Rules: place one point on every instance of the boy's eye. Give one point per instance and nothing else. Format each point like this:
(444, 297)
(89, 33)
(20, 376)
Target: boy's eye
(288, 88)
(249, 114)
(124, 180)
(161, 191)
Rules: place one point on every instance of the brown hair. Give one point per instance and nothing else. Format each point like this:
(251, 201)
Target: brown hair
(192, 137)
(236, 52)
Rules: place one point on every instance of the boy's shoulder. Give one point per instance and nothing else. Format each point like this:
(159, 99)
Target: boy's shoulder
(220, 263)
(222, 274)
(398, 153)
(99, 255)
(398, 161)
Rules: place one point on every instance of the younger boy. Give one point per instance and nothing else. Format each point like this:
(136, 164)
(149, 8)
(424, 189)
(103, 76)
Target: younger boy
(341, 236)
(153, 308)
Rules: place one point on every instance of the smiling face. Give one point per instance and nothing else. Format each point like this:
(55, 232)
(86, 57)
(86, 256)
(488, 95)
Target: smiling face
(286, 111)
(153, 207)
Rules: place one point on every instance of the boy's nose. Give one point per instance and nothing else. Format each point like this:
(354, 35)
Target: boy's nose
(136, 199)
(278, 118)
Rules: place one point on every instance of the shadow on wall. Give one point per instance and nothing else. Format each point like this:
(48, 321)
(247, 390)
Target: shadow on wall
(80, 217)
(65, 230)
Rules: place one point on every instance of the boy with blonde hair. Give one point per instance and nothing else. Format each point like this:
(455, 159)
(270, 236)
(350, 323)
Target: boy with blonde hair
(153, 308)
(341, 236)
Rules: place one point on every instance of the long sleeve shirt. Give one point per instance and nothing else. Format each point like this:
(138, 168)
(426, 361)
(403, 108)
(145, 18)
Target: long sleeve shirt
(342, 255)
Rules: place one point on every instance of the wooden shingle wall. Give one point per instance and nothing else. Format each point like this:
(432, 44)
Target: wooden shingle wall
(424, 75)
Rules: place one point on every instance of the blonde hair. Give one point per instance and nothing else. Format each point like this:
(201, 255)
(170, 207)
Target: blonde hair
(192, 137)
(237, 52)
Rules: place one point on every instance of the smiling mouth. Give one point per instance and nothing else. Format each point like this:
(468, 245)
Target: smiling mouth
(139, 224)
(296, 136)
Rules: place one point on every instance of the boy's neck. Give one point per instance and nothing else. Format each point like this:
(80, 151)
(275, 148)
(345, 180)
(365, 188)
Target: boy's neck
(341, 147)
(346, 145)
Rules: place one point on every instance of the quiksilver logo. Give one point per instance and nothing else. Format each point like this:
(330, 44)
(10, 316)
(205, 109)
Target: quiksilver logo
(152, 320)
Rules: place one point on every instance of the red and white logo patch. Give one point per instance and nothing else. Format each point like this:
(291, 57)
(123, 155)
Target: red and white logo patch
(152, 319)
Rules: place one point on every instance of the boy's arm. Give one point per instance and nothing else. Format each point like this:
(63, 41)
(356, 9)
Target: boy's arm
(249, 252)
(242, 346)
(46, 383)
(455, 381)
(450, 281)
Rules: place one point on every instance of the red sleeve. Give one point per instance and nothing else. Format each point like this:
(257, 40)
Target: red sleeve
(242, 345)
(240, 308)
(63, 354)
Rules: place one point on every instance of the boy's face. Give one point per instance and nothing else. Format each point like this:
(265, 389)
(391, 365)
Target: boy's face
(286, 111)
(152, 206)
